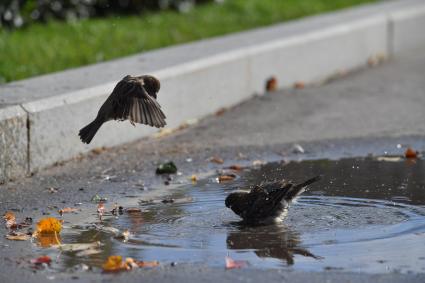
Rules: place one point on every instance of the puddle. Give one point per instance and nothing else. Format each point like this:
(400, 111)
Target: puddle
(365, 215)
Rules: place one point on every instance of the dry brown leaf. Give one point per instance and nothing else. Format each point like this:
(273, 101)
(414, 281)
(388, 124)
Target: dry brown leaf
(220, 111)
(148, 263)
(236, 167)
(232, 264)
(67, 210)
(410, 153)
(194, 179)
(216, 159)
(18, 236)
(299, 85)
(133, 210)
(226, 178)
(271, 84)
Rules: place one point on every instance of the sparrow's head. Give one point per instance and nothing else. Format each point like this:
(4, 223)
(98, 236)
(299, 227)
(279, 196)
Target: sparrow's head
(151, 85)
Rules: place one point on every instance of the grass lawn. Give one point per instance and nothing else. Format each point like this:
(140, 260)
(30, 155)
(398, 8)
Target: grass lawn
(44, 48)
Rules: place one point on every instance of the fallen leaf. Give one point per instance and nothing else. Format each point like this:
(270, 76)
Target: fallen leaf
(67, 210)
(49, 225)
(271, 84)
(133, 210)
(18, 236)
(410, 153)
(10, 219)
(220, 111)
(299, 85)
(98, 150)
(389, 158)
(216, 159)
(42, 259)
(167, 168)
(148, 263)
(114, 263)
(194, 179)
(232, 264)
(236, 167)
(227, 177)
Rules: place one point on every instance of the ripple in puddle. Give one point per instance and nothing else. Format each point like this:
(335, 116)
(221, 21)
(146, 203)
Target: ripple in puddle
(365, 215)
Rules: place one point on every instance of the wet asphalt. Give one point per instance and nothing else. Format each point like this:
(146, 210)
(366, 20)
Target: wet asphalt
(367, 112)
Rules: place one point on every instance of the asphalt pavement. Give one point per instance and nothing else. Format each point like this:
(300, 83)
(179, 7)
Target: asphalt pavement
(369, 111)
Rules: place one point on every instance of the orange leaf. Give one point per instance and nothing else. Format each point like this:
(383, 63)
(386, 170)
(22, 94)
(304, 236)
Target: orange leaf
(271, 84)
(410, 153)
(148, 263)
(49, 225)
(225, 178)
(114, 263)
(232, 264)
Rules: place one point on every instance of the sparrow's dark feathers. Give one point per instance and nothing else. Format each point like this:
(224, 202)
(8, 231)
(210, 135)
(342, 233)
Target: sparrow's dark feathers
(267, 202)
(133, 98)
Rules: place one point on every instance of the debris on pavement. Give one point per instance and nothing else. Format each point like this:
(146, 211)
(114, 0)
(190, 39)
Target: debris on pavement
(299, 85)
(216, 159)
(97, 199)
(115, 263)
(100, 210)
(67, 210)
(167, 168)
(226, 178)
(411, 153)
(232, 264)
(18, 236)
(297, 149)
(271, 84)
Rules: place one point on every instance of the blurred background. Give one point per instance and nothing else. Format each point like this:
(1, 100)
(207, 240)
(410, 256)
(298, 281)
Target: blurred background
(44, 36)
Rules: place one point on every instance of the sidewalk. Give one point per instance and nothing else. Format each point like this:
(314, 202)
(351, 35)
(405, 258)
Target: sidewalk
(366, 112)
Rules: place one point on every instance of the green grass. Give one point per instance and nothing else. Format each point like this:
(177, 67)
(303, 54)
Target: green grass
(44, 48)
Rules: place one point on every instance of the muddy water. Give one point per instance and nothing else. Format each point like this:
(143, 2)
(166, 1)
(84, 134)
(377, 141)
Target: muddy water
(365, 215)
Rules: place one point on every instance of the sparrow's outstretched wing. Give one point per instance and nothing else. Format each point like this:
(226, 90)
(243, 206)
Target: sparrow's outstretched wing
(131, 101)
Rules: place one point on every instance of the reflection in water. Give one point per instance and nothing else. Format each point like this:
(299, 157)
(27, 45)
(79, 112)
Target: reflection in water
(352, 219)
(358, 178)
(273, 241)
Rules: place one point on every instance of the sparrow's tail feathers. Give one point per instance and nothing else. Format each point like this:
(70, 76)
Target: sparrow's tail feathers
(87, 133)
(300, 188)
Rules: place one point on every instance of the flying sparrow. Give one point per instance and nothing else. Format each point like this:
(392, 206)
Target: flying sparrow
(133, 98)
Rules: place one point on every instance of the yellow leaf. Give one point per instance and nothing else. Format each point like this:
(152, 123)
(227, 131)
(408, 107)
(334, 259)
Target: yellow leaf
(49, 225)
(114, 263)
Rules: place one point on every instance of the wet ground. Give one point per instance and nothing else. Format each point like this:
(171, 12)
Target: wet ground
(364, 222)
(365, 215)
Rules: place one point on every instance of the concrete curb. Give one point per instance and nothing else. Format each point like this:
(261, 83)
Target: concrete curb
(41, 126)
